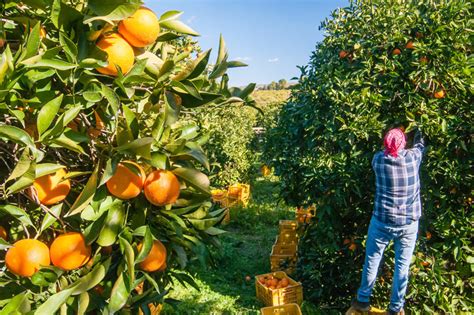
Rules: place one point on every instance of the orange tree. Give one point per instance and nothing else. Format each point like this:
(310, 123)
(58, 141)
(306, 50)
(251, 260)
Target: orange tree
(94, 104)
(383, 64)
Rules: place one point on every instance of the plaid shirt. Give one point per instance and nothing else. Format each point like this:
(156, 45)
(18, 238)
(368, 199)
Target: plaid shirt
(397, 196)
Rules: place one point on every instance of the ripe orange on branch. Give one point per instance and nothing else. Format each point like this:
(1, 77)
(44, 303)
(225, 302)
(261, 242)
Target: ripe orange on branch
(125, 183)
(26, 257)
(162, 188)
(3, 233)
(155, 259)
(52, 188)
(120, 54)
(396, 51)
(69, 251)
(141, 29)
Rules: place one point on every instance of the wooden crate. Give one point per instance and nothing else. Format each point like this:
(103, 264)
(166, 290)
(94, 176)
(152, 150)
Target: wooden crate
(288, 309)
(284, 249)
(293, 293)
(286, 263)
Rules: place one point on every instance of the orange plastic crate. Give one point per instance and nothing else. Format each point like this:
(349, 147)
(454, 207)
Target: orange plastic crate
(293, 293)
(288, 309)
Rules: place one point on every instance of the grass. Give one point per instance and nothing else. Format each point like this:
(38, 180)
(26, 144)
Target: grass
(245, 251)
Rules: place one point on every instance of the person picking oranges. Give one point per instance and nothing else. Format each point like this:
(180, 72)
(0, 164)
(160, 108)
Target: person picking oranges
(397, 209)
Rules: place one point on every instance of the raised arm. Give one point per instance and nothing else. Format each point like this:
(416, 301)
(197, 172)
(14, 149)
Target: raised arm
(418, 145)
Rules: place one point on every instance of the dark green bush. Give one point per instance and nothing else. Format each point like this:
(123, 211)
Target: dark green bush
(355, 87)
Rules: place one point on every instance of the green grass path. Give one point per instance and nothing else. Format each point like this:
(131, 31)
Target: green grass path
(244, 252)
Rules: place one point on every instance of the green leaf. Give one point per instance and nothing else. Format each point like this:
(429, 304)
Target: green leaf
(4, 245)
(17, 135)
(222, 55)
(19, 303)
(44, 277)
(200, 64)
(205, 224)
(112, 226)
(24, 181)
(193, 177)
(46, 169)
(22, 166)
(65, 141)
(17, 213)
(54, 302)
(83, 303)
(49, 219)
(214, 231)
(139, 147)
(69, 47)
(129, 257)
(86, 195)
(113, 9)
(147, 244)
(53, 64)
(111, 97)
(32, 45)
(92, 232)
(47, 113)
(92, 279)
(120, 293)
(178, 26)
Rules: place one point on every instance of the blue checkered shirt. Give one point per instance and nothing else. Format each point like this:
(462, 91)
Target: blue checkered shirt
(397, 195)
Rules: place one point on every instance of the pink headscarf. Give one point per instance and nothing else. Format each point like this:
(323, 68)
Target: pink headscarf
(394, 141)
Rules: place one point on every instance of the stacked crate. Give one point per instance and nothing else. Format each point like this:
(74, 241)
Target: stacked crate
(304, 215)
(284, 251)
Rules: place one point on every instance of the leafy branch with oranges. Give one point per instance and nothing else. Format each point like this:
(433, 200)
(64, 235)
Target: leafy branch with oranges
(104, 196)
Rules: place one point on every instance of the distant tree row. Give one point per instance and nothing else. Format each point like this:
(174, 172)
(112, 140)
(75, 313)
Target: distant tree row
(280, 85)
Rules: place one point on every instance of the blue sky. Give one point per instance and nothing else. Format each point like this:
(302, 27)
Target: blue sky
(271, 36)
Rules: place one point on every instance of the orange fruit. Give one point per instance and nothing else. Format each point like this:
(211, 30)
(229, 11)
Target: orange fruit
(396, 51)
(284, 282)
(425, 263)
(248, 278)
(69, 251)
(424, 59)
(3, 233)
(261, 280)
(155, 259)
(353, 247)
(119, 53)
(125, 183)
(274, 282)
(428, 235)
(99, 289)
(161, 188)
(52, 188)
(26, 257)
(343, 54)
(42, 32)
(141, 29)
(439, 94)
(347, 241)
(410, 45)
(163, 267)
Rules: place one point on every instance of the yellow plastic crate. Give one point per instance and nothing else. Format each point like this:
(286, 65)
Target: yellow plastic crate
(288, 226)
(288, 237)
(293, 293)
(284, 249)
(285, 241)
(288, 309)
(286, 263)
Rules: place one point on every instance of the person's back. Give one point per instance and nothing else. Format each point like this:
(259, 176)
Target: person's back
(397, 196)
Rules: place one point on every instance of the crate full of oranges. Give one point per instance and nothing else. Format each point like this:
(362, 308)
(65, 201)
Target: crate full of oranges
(276, 288)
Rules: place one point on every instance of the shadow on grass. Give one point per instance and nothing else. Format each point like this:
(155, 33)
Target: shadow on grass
(244, 252)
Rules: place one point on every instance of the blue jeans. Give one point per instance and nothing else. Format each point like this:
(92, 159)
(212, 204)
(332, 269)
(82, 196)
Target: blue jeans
(379, 236)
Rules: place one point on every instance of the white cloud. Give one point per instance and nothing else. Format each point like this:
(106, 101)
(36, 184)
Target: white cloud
(243, 58)
(191, 19)
(276, 59)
